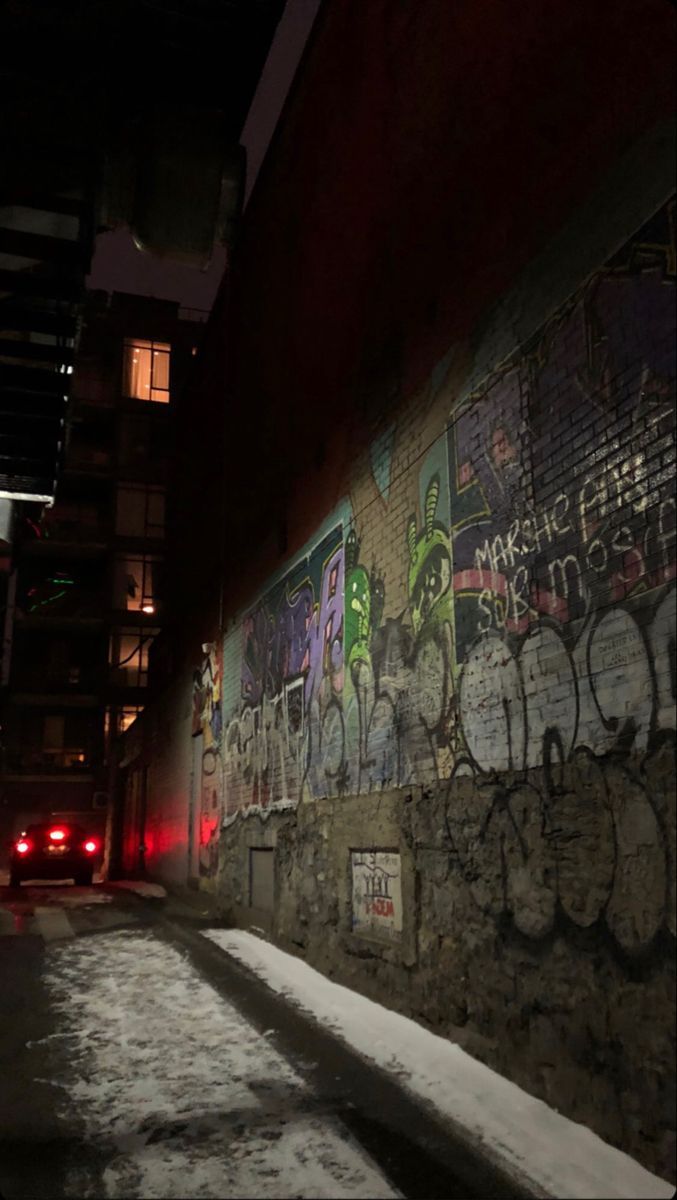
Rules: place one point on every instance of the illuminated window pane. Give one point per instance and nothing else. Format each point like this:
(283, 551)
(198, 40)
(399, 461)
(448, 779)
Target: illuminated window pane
(118, 720)
(146, 370)
(135, 583)
(127, 717)
(160, 374)
(129, 656)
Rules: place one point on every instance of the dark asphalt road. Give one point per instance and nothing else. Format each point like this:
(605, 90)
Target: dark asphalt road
(422, 1157)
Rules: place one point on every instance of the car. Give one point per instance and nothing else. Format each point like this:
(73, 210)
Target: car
(53, 850)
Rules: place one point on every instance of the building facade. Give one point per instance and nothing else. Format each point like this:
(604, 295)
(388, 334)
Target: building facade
(414, 710)
(86, 581)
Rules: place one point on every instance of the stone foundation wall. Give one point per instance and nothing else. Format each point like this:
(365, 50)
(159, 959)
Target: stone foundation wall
(569, 1015)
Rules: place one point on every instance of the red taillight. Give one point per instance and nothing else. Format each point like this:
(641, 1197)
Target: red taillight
(90, 846)
(22, 846)
(57, 835)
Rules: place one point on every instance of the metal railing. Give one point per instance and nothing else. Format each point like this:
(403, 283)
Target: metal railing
(47, 761)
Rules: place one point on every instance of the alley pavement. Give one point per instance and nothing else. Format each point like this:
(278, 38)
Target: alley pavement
(139, 1059)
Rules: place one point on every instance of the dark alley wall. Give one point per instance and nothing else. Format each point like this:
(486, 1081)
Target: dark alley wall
(433, 730)
(421, 164)
(503, 654)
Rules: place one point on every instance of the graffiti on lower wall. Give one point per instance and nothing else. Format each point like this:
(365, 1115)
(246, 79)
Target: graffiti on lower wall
(207, 721)
(376, 877)
(529, 650)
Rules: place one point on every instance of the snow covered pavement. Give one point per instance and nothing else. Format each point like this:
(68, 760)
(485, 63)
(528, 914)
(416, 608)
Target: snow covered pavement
(180, 1095)
(141, 887)
(561, 1157)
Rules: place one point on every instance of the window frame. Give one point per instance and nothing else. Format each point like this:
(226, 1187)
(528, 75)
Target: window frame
(148, 566)
(153, 348)
(148, 531)
(125, 661)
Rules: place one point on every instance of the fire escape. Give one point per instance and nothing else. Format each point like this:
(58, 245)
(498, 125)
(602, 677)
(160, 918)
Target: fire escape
(114, 113)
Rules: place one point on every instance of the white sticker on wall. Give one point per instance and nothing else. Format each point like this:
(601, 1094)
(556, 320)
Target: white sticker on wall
(377, 894)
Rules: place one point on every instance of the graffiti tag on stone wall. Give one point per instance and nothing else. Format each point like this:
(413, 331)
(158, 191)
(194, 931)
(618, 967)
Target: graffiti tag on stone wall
(376, 894)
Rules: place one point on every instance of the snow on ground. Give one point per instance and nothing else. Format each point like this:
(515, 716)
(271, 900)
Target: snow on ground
(4, 881)
(76, 897)
(522, 1133)
(181, 1094)
(141, 886)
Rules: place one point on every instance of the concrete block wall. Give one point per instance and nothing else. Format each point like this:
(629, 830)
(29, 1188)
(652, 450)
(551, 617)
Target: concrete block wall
(452, 714)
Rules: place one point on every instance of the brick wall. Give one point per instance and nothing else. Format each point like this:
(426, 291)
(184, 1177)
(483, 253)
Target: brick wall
(507, 572)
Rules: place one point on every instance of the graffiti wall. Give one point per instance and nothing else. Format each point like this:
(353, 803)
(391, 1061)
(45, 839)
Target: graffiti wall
(562, 482)
(519, 612)
(207, 722)
(463, 694)
(287, 731)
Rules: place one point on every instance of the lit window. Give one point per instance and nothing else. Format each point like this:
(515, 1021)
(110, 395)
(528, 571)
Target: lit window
(146, 370)
(129, 656)
(127, 716)
(120, 719)
(65, 741)
(135, 587)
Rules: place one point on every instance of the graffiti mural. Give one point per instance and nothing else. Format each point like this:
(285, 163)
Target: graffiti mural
(398, 680)
(536, 534)
(207, 720)
(289, 727)
(562, 476)
(497, 623)
(592, 830)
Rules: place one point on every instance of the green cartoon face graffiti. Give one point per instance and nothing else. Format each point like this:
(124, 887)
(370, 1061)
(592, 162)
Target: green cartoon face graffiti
(358, 606)
(357, 621)
(430, 566)
(357, 600)
(363, 608)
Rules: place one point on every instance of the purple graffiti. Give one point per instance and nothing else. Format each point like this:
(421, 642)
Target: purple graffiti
(290, 638)
(296, 632)
(324, 641)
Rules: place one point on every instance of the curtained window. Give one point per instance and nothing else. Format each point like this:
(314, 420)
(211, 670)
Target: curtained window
(146, 370)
